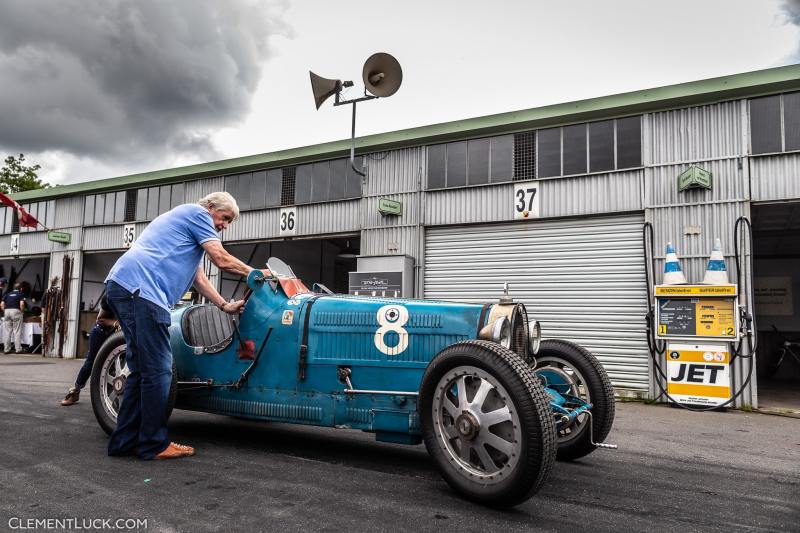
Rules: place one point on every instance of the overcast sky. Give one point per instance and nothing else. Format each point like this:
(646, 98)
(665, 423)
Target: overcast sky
(93, 89)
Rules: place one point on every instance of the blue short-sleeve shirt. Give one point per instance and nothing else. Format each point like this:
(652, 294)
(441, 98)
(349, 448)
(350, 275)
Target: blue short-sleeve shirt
(162, 263)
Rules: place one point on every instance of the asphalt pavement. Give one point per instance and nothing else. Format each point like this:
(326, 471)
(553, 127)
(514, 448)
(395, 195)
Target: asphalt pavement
(674, 471)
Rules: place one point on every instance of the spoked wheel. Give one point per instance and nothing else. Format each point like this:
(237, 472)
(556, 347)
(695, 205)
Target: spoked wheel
(572, 370)
(476, 423)
(109, 374)
(487, 423)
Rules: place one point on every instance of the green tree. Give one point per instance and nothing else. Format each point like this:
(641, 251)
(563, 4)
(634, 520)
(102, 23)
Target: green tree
(16, 176)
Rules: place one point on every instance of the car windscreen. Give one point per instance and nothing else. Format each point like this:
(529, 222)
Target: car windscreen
(280, 269)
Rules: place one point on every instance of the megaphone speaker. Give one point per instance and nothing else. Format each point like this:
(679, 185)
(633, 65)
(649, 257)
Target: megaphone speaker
(382, 74)
(323, 88)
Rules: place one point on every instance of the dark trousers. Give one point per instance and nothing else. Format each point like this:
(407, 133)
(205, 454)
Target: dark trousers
(142, 422)
(97, 337)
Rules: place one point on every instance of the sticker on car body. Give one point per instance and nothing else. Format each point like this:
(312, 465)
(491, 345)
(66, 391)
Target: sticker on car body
(391, 319)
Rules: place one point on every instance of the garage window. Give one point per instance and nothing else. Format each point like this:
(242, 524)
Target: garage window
(473, 162)
(611, 144)
(765, 125)
(775, 123)
(575, 149)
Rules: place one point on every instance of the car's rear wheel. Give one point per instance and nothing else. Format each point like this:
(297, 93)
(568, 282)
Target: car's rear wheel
(571, 369)
(487, 423)
(109, 373)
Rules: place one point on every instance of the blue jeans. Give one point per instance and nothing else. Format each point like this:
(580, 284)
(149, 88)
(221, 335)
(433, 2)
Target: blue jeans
(97, 337)
(142, 421)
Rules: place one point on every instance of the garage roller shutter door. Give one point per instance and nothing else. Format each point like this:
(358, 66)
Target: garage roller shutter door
(582, 278)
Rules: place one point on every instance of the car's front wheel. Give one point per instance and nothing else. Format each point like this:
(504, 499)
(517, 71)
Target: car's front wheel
(109, 374)
(487, 423)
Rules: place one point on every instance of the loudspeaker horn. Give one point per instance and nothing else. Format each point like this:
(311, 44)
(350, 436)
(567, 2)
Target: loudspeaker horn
(382, 74)
(323, 88)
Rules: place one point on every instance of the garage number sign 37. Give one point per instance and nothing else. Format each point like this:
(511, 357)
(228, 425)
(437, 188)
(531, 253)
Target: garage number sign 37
(526, 200)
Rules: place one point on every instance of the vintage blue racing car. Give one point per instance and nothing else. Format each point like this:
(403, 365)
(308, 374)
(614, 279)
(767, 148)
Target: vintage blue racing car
(493, 403)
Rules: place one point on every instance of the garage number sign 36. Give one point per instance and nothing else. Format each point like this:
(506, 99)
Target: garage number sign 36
(526, 200)
(288, 221)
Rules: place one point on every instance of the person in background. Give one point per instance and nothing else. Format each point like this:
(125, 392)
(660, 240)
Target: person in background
(12, 305)
(160, 266)
(105, 325)
(3, 288)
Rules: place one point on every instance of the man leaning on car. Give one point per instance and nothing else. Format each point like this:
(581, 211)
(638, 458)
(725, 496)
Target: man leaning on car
(141, 287)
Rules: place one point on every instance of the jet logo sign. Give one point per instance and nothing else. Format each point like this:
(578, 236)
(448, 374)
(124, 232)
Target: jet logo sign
(699, 374)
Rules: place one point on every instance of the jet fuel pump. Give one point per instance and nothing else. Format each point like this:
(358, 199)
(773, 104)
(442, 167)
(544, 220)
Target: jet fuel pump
(696, 333)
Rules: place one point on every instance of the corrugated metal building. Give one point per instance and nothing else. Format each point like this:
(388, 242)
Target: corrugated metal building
(572, 253)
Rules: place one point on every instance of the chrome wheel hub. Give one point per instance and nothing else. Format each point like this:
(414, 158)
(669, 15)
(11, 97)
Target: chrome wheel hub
(113, 376)
(476, 424)
(577, 387)
(467, 425)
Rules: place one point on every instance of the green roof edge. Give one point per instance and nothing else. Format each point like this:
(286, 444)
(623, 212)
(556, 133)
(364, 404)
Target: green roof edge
(711, 90)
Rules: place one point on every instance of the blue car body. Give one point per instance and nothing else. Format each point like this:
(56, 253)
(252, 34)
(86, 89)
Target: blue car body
(385, 343)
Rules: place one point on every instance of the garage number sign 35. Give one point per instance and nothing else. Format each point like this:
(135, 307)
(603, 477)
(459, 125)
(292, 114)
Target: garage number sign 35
(526, 200)
(128, 235)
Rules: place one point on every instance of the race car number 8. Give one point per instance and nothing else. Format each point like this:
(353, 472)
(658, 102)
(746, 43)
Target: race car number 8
(391, 319)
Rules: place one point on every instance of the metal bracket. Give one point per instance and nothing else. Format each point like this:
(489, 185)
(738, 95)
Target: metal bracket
(344, 373)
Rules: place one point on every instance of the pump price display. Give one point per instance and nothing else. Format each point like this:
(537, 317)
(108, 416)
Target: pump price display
(696, 317)
(698, 374)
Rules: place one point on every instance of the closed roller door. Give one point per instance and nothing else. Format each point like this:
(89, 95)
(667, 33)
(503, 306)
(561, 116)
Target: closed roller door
(582, 278)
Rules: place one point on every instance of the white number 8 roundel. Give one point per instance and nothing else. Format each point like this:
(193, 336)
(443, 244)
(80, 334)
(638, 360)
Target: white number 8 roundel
(392, 318)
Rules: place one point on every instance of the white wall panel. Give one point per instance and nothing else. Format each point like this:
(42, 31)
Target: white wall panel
(728, 183)
(371, 218)
(705, 132)
(254, 225)
(196, 189)
(107, 237)
(390, 241)
(69, 212)
(394, 171)
(775, 177)
(714, 220)
(333, 217)
(584, 195)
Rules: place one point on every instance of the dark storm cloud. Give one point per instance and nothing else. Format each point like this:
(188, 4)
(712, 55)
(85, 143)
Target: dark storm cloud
(791, 9)
(128, 79)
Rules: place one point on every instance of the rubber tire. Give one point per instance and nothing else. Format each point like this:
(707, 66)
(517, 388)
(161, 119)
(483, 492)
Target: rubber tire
(530, 400)
(600, 390)
(107, 423)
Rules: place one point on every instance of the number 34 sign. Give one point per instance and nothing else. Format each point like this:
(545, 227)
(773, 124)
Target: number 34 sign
(526, 200)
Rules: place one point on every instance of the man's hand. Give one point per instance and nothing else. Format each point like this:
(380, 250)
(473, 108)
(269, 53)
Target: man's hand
(232, 307)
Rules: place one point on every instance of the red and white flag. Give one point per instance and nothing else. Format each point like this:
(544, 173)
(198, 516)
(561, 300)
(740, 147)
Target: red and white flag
(25, 218)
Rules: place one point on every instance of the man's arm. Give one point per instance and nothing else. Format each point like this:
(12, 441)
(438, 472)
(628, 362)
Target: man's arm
(224, 260)
(206, 289)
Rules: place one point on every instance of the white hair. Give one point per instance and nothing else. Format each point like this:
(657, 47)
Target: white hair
(221, 201)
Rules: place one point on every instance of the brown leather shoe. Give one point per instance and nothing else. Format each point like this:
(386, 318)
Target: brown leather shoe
(71, 397)
(175, 450)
